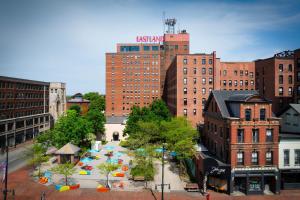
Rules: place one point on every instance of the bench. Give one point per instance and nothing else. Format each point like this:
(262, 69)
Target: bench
(192, 187)
(138, 178)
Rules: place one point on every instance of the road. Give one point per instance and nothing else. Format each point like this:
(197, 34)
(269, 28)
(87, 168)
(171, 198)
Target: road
(17, 158)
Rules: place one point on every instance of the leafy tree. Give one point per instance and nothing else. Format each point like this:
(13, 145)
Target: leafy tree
(76, 108)
(160, 110)
(97, 120)
(71, 128)
(66, 169)
(106, 169)
(37, 154)
(97, 102)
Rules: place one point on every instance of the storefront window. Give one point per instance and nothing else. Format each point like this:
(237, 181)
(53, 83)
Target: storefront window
(254, 184)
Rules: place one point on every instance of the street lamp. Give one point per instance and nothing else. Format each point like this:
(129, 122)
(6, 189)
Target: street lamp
(6, 173)
(162, 174)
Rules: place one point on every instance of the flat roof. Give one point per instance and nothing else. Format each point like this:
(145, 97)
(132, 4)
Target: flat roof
(20, 80)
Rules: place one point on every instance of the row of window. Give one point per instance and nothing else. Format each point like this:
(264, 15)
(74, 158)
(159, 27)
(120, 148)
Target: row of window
(185, 112)
(17, 105)
(286, 157)
(139, 91)
(23, 86)
(255, 158)
(203, 61)
(136, 97)
(210, 81)
(175, 47)
(195, 90)
(138, 74)
(281, 68)
(10, 95)
(185, 101)
(124, 57)
(280, 91)
(255, 135)
(236, 83)
(138, 80)
(290, 79)
(248, 114)
(9, 115)
(235, 72)
(203, 71)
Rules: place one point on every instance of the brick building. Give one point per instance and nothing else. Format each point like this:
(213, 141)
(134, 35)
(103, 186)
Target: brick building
(297, 75)
(132, 77)
(24, 109)
(240, 131)
(189, 80)
(275, 79)
(78, 99)
(236, 76)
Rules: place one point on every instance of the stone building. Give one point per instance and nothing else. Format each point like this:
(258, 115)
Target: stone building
(57, 100)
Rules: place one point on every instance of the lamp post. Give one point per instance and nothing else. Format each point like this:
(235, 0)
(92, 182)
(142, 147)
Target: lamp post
(6, 173)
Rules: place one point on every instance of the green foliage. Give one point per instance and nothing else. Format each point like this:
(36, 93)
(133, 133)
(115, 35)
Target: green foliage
(97, 120)
(156, 112)
(97, 102)
(66, 170)
(180, 136)
(106, 169)
(76, 108)
(37, 156)
(70, 128)
(44, 138)
(124, 143)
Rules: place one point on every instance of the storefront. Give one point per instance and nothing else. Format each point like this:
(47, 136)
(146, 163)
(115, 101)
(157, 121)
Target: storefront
(290, 179)
(261, 180)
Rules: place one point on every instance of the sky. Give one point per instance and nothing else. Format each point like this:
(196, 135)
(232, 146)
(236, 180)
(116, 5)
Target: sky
(66, 40)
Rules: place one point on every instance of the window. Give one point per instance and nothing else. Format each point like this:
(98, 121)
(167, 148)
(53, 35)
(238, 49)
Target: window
(235, 72)
(210, 81)
(251, 74)
(297, 156)
(203, 81)
(280, 79)
(286, 157)
(195, 80)
(224, 72)
(280, 91)
(269, 135)
(195, 70)
(184, 90)
(230, 83)
(195, 61)
(280, 68)
(255, 135)
(184, 61)
(195, 90)
(185, 112)
(290, 79)
(290, 91)
(224, 82)
(298, 76)
(195, 101)
(246, 72)
(146, 48)
(269, 158)
(210, 71)
(194, 112)
(210, 61)
(235, 83)
(203, 90)
(298, 90)
(254, 158)
(240, 136)
(262, 114)
(203, 70)
(298, 62)
(246, 82)
(185, 101)
(203, 101)
(241, 73)
(241, 83)
(185, 81)
(240, 158)
(154, 48)
(247, 114)
(290, 67)
(185, 70)
(252, 82)
(203, 61)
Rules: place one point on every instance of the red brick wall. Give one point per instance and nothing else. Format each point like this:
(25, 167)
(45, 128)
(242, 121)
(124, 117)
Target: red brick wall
(84, 106)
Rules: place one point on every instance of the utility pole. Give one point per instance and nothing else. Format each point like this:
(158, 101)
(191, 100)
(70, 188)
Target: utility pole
(6, 172)
(162, 173)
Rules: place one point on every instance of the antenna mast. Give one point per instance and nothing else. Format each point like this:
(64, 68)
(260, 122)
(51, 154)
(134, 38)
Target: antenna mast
(171, 25)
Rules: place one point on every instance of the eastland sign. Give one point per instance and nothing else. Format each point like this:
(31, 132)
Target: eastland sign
(150, 39)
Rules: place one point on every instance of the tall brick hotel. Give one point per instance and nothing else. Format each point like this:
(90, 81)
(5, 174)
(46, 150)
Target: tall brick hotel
(233, 104)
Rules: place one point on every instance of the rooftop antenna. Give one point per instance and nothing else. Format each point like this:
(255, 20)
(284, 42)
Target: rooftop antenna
(171, 25)
(178, 28)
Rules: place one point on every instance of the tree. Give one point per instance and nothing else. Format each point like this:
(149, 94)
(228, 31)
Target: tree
(37, 154)
(97, 102)
(66, 169)
(97, 120)
(160, 110)
(71, 128)
(106, 169)
(75, 107)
